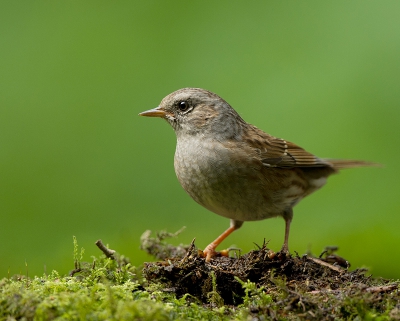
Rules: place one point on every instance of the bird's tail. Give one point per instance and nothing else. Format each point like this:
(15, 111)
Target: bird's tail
(348, 163)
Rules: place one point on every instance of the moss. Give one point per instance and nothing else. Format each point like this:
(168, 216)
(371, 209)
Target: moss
(255, 286)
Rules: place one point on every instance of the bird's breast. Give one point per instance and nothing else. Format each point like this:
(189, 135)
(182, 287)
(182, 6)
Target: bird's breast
(202, 169)
(224, 181)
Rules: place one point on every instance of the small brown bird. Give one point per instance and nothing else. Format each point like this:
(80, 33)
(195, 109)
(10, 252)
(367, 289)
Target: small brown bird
(233, 168)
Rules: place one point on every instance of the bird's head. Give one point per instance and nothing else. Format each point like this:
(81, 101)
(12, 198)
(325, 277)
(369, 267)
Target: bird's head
(196, 111)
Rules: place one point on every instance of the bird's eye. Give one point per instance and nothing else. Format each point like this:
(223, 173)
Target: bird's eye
(183, 106)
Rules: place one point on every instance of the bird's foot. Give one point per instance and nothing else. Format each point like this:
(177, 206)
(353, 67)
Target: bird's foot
(284, 252)
(209, 252)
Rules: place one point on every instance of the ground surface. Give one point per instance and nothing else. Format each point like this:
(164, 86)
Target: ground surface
(181, 285)
(306, 286)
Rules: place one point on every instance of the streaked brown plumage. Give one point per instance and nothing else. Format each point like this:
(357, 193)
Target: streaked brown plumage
(235, 169)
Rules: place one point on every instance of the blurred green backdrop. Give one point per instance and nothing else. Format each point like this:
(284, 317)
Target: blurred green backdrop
(77, 160)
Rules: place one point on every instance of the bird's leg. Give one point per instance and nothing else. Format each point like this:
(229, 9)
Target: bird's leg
(209, 251)
(287, 216)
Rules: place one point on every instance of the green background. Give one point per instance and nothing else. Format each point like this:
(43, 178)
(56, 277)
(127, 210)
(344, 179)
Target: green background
(75, 158)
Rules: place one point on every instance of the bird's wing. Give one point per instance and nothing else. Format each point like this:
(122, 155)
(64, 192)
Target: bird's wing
(277, 152)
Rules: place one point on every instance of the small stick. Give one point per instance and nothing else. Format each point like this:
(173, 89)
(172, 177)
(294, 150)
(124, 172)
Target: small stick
(383, 288)
(108, 252)
(74, 271)
(372, 289)
(189, 251)
(320, 262)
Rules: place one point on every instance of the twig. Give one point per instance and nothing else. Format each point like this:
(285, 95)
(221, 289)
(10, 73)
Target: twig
(108, 252)
(77, 268)
(372, 289)
(189, 250)
(320, 262)
(383, 288)
(74, 271)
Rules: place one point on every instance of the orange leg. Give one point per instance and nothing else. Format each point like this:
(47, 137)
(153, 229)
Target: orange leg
(209, 251)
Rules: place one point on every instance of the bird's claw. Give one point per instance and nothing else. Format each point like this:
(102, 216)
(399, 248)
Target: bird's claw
(209, 253)
(283, 253)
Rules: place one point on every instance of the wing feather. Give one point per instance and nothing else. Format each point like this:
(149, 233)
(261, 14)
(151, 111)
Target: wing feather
(277, 152)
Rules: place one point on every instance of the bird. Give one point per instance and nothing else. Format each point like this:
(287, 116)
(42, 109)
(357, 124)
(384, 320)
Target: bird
(235, 169)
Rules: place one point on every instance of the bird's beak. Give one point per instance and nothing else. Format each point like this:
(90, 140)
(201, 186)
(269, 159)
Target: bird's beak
(155, 112)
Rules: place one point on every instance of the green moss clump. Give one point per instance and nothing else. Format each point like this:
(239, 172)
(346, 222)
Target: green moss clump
(105, 289)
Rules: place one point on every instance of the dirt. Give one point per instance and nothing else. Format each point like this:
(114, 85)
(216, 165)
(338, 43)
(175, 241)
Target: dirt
(305, 283)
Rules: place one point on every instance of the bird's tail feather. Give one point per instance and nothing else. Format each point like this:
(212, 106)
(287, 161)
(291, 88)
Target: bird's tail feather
(348, 163)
